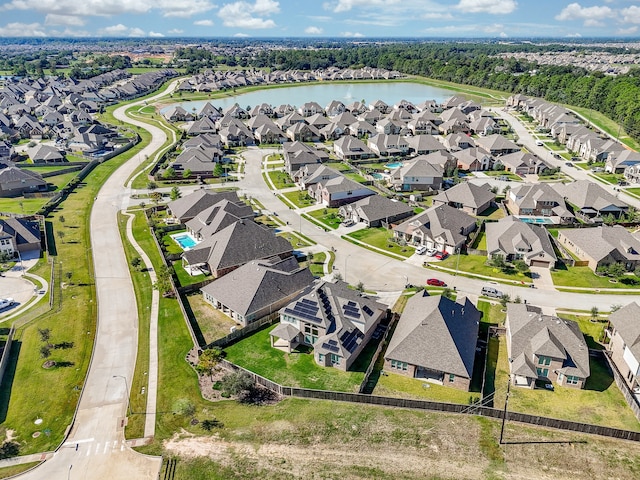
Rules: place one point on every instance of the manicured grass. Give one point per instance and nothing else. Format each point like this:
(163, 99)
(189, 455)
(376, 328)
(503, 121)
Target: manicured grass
(280, 179)
(296, 369)
(606, 124)
(381, 238)
(492, 313)
(554, 147)
(592, 330)
(60, 181)
(327, 216)
(476, 264)
(396, 385)
(296, 240)
(355, 177)
(600, 403)
(299, 199)
(170, 244)
(184, 278)
(7, 472)
(492, 213)
(504, 173)
(317, 264)
(481, 242)
(340, 166)
(22, 205)
(582, 277)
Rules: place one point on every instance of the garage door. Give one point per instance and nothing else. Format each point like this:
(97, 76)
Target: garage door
(539, 263)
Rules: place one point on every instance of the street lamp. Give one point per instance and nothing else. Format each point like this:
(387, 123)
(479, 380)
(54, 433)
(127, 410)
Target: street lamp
(126, 386)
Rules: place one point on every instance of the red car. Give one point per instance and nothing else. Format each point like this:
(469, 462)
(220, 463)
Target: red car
(434, 282)
(441, 255)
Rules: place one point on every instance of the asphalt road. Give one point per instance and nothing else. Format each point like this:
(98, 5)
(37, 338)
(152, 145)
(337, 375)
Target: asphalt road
(95, 447)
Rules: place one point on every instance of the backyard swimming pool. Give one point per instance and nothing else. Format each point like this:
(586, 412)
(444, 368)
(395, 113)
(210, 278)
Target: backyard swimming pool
(539, 220)
(185, 240)
(393, 165)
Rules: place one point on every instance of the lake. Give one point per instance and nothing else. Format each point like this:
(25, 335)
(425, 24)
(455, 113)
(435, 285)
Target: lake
(389, 92)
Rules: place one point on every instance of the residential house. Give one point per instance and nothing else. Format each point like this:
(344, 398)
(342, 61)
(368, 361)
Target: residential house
(19, 235)
(351, 148)
(617, 162)
(473, 159)
(257, 289)
(298, 154)
(523, 163)
(216, 217)
(335, 107)
(441, 227)
(590, 200)
(540, 200)
(376, 211)
(624, 344)
(389, 127)
(185, 208)
(468, 197)
(361, 128)
(45, 154)
(340, 190)
(545, 347)
(310, 108)
(514, 240)
(425, 144)
(435, 340)
(332, 319)
(602, 246)
(388, 145)
(235, 245)
(458, 141)
(302, 132)
(308, 176)
(236, 134)
(496, 144)
(15, 181)
(203, 125)
(632, 173)
(442, 158)
(417, 175)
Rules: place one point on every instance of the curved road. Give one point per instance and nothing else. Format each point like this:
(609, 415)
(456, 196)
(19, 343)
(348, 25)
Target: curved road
(95, 447)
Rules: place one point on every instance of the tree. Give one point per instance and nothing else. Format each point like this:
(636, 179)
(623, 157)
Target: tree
(186, 174)
(497, 261)
(68, 276)
(521, 266)
(45, 334)
(208, 361)
(218, 171)
(504, 299)
(60, 234)
(151, 185)
(175, 193)
(447, 293)
(236, 383)
(615, 307)
(360, 287)
(616, 270)
(517, 299)
(594, 314)
(163, 280)
(156, 197)
(169, 173)
(45, 351)
(61, 218)
(337, 276)
(136, 262)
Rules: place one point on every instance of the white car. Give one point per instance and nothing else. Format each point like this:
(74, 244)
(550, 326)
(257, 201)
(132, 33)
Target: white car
(432, 251)
(5, 302)
(421, 249)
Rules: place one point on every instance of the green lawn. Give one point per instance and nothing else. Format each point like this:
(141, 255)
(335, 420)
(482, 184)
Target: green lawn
(22, 205)
(476, 264)
(291, 369)
(612, 178)
(280, 179)
(317, 264)
(295, 240)
(355, 177)
(299, 199)
(503, 173)
(605, 123)
(582, 277)
(170, 244)
(600, 403)
(381, 238)
(184, 278)
(492, 213)
(480, 242)
(340, 166)
(326, 216)
(554, 147)
(396, 385)
(633, 191)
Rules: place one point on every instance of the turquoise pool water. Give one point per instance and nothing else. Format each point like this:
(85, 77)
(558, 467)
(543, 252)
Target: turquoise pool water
(185, 240)
(540, 220)
(393, 165)
(377, 176)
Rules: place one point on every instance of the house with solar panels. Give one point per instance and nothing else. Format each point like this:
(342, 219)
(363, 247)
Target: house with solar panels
(332, 319)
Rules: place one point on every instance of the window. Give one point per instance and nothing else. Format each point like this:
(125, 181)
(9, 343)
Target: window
(572, 380)
(399, 365)
(321, 357)
(310, 334)
(542, 372)
(542, 360)
(335, 359)
(452, 377)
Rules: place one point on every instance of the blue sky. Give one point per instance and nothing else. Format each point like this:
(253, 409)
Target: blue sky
(324, 18)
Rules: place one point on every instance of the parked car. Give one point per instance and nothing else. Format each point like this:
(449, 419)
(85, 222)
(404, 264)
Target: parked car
(540, 143)
(441, 255)
(421, 249)
(568, 164)
(491, 292)
(348, 223)
(6, 302)
(434, 282)
(432, 251)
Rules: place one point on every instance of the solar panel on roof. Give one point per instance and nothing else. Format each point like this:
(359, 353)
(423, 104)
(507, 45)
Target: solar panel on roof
(367, 310)
(351, 304)
(332, 342)
(309, 302)
(352, 314)
(331, 348)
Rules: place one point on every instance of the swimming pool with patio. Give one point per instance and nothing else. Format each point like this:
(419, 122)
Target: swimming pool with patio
(393, 165)
(538, 220)
(185, 240)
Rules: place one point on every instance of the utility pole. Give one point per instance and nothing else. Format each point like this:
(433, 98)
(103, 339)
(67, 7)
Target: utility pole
(504, 413)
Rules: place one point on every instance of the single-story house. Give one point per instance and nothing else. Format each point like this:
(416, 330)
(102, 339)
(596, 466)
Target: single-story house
(374, 210)
(468, 197)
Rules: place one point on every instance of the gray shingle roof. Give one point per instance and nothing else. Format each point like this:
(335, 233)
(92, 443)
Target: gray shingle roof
(587, 194)
(438, 334)
(627, 322)
(189, 206)
(510, 236)
(467, 194)
(440, 221)
(601, 241)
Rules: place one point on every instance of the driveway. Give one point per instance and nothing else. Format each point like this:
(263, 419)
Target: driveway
(542, 278)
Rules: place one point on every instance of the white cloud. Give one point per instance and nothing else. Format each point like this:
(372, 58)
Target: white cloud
(631, 14)
(436, 16)
(121, 30)
(118, 29)
(90, 8)
(313, 30)
(320, 18)
(136, 32)
(346, 5)
(175, 31)
(503, 35)
(627, 31)
(240, 35)
(70, 20)
(352, 34)
(17, 29)
(248, 15)
(495, 28)
(573, 35)
(494, 7)
(204, 23)
(591, 16)
(156, 34)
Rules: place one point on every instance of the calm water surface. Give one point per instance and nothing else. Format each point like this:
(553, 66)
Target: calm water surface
(390, 93)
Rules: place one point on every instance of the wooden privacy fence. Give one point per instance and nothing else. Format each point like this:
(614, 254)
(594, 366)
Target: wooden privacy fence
(437, 407)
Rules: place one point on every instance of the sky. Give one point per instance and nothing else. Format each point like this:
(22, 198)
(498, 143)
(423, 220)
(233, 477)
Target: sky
(324, 18)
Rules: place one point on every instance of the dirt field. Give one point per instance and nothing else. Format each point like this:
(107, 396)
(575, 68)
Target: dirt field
(399, 445)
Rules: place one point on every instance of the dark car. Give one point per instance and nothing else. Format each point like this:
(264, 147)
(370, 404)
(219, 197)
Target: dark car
(434, 282)
(441, 255)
